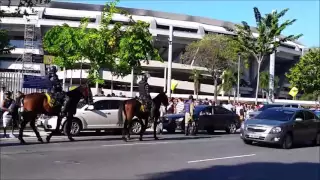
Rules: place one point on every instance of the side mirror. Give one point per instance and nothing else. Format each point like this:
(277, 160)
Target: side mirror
(298, 119)
(90, 108)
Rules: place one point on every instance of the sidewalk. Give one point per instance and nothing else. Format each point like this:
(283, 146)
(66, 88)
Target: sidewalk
(26, 133)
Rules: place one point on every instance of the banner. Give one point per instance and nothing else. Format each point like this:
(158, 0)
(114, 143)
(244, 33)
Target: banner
(174, 84)
(37, 82)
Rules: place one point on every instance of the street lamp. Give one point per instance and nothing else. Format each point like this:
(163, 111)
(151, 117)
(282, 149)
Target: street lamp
(238, 89)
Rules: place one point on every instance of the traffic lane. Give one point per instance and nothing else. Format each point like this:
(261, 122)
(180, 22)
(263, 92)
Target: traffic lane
(61, 143)
(133, 160)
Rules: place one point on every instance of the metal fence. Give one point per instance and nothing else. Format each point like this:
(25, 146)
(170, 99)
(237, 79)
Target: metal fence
(13, 82)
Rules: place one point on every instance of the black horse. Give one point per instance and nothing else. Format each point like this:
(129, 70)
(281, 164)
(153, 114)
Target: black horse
(134, 108)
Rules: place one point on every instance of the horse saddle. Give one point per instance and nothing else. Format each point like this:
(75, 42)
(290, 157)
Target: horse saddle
(51, 100)
(143, 107)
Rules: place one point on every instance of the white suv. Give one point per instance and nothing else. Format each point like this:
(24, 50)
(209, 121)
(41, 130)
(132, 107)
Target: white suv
(101, 115)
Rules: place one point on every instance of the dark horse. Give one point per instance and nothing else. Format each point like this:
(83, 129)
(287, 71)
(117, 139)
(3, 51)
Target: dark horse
(37, 103)
(133, 108)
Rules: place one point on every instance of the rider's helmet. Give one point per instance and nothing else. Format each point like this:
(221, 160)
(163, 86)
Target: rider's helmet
(52, 69)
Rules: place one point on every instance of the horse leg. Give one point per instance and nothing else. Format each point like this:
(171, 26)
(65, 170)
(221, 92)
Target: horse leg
(35, 129)
(68, 127)
(143, 128)
(23, 125)
(155, 123)
(56, 131)
(125, 130)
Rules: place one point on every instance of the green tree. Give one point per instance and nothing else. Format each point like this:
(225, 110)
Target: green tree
(5, 47)
(269, 38)
(63, 42)
(229, 81)
(264, 81)
(196, 76)
(118, 48)
(214, 52)
(305, 75)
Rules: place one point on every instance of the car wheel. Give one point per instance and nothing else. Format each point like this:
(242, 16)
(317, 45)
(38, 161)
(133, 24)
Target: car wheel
(287, 142)
(247, 141)
(75, 127)
(232, 128)
(316, 142)
(136, 127)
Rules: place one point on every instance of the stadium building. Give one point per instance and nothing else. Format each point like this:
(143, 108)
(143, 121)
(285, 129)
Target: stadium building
(26, 34)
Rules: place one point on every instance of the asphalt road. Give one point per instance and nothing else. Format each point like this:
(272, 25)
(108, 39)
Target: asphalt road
(221, 157)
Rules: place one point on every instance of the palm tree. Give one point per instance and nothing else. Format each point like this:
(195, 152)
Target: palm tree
(196, 76)
(229, 80)
(264, 81)
(269, 38)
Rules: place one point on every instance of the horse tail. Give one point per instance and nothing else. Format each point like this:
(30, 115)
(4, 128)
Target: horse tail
(122, 113)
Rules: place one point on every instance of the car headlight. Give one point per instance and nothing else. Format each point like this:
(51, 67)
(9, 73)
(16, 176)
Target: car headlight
(275, 130)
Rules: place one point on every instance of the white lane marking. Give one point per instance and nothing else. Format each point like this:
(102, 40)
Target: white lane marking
(214, 159)
(132, 144)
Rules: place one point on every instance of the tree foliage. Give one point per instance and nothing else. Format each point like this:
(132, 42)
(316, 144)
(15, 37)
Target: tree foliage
(305, 75)
(214, 52)
(63, 42)
(229, 81)
(196, 76)
(118, 47)
(5, 46)
(269, 38)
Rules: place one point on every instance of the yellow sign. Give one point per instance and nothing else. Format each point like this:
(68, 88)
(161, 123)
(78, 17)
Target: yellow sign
(174, 84)
(47, 60)
(293, 92)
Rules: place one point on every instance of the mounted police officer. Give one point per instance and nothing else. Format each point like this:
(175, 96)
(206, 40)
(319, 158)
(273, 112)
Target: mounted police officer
(56, 90)
(145, 95)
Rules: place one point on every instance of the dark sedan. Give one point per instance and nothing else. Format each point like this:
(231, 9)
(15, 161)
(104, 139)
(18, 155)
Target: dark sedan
(209, 118)
(283, 126)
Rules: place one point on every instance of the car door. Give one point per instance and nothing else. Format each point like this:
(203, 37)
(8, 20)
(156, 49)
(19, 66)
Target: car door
(205, 118)
(299, 127)
(98, 117)
(113, 113)
(222, 117)
(311, 123)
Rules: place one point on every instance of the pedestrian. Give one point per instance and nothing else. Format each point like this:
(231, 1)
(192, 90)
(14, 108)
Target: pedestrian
(180, 106)
(189, 112)
(7, 107)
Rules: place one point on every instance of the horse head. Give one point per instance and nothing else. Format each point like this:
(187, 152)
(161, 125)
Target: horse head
(84, 92)
(162, 98)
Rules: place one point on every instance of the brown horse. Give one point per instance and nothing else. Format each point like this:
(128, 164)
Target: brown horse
(37, 103)
(133, 108)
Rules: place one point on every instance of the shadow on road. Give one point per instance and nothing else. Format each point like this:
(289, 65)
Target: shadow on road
(249, 171)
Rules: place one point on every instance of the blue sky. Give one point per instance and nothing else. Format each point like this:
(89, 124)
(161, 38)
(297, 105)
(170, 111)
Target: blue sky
(305, 11)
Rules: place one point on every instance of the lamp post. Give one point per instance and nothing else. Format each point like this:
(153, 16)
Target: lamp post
(170, 61)
(238, 86)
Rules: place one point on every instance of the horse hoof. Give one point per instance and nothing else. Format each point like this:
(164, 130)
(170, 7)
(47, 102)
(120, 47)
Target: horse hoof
(156, 138)
(125, 139)
(140, 139)
(71, 139)
(40, 140)
(48, 139)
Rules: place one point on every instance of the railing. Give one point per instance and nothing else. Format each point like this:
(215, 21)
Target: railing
(14, 81)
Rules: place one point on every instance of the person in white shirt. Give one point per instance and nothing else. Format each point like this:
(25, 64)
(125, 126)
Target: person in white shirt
(180, 106)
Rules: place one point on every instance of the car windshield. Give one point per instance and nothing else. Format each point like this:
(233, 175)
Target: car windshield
(276, 115)
(267, 106)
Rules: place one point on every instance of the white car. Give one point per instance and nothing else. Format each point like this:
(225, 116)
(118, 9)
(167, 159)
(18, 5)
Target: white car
(101, 115)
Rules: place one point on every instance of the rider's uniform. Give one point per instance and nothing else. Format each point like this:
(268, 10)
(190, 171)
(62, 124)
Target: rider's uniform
(145, 95)
(56, 88)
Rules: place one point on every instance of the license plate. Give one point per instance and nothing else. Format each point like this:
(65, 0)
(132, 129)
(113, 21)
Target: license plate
(254, 135)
